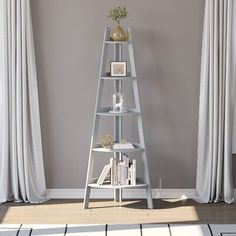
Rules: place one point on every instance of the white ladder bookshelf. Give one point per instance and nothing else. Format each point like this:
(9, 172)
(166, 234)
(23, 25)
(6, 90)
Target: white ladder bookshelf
(100, 112)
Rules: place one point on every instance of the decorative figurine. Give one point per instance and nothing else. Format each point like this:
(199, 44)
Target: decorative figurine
(118, 103)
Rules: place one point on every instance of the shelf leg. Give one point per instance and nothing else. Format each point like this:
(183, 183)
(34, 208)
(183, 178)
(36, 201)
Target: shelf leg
(149, 197)
(116, 195)
(120, 195)
(86, 197)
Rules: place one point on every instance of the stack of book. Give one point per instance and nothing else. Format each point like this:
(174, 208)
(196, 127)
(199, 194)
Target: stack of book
(123, 146)
(119, 172)
(123, 172)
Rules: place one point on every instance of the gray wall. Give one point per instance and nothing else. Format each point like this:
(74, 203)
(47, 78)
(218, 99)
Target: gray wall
(167, 40)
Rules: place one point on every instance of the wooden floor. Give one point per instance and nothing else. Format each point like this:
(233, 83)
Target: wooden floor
(108, 212)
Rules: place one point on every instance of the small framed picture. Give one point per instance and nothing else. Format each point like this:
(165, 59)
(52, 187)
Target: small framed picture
(118, 68)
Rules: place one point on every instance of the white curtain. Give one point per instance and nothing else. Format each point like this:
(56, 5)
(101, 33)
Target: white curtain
(214, 166)
(234, 74)
(21, 161)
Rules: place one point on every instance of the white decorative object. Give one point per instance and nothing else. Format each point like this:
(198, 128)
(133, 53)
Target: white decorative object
(118, 103)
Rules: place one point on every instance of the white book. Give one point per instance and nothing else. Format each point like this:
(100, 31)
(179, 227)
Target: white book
(126, 166)
(129, 175)
(119, 173)
(133, 181)
(123, 146)
(104, 174)
(113, 164)
(126, 160)
(123, 174)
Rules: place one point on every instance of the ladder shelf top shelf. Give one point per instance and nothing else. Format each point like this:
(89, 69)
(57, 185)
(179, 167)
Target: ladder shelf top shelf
(137, 147)
(109, 40)
(117, 42)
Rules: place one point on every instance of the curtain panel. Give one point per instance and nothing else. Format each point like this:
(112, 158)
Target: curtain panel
(22, 175)
(214, 165)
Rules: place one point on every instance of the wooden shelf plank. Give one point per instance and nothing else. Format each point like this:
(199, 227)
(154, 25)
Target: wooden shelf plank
(106, 112)
(117, 42)
(137, 147)
(109, 186)
(117, 78)
(107, 76)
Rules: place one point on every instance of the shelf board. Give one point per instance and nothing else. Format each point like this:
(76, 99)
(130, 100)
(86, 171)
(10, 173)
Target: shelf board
(106, 112)
(99, 148)
(107, 76)
(109, 186)
(117, 42)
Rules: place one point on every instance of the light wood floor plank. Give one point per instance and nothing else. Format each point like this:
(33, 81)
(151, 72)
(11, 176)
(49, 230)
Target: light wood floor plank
(155, 230)
(70, 211)
(43, 230)
(85, 230)
(123, 230)
(193, 230)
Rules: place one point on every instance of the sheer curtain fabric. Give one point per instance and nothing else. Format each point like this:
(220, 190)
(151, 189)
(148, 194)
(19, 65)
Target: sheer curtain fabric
(214, 165)
(21, 160)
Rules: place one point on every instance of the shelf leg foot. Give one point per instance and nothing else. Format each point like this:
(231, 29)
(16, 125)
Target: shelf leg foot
(149, 197)
(116, 195)
(86, 197)
(120, 195)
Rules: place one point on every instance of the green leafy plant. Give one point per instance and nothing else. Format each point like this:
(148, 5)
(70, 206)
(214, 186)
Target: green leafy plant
(118, 14)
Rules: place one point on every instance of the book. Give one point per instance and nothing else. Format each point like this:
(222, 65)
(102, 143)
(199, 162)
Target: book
(122, 172)
(126, 166)
(133, 173)
(129, 175)
(123, 146)
(119, 173)
(104, 174)
(113, 164)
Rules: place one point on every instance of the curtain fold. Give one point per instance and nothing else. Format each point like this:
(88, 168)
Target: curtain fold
(214, 165)
(22, 175)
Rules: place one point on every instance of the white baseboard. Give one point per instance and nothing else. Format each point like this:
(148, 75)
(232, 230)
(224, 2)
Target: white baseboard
(127, 193)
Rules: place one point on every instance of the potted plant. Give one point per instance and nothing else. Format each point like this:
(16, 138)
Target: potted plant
(118, 14)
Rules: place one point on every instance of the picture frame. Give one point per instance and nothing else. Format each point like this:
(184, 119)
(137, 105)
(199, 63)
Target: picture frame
(118, 68)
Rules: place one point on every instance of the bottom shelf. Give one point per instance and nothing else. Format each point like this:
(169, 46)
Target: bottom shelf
(109, 186)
